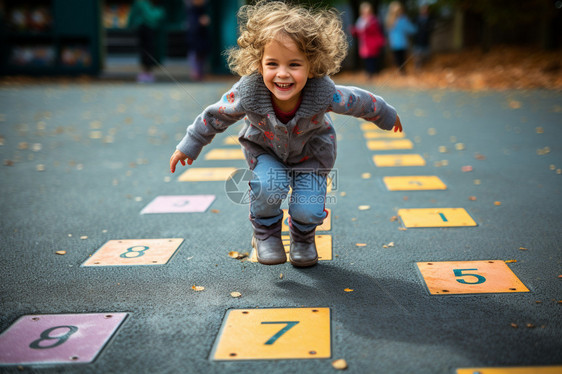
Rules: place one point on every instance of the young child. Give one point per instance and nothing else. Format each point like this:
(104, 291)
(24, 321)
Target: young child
(285, 56)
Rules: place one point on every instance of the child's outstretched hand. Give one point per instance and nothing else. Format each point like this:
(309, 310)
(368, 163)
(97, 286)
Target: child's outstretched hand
(397, 125)
(179, 156)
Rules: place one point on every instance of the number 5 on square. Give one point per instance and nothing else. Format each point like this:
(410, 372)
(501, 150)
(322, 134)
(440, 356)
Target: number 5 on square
(274, 334)
(469, 277)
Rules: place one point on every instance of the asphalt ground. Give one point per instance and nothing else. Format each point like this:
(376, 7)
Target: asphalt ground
(82, 160)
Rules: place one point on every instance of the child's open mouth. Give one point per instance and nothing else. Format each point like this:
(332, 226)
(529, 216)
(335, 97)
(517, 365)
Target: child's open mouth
(284, 86)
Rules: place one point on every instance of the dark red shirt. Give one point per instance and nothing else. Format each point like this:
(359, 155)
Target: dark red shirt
(285, 117)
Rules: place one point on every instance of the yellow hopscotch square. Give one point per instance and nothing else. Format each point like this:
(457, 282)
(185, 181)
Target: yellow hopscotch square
(436, 217)
(225, 154)
(469, 277)
(323, 246)
(369, 126)
(206, 174)
(134, 252)
(325, 226)
(513, 370)
(274, 334)
(414, 183)
(231, 140)
(398, 160)
(383, 134)
(386, 145)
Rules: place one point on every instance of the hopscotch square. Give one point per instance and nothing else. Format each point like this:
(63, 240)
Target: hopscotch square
(386, 145)
(414, 183)
(469, 277)
(323, 246)
(513, 370)
(206, 174)
(274, 334)
(382, 134)
(57, 338)
(225, 154)
(325, 226)
(179, 204)
(231, 140)
(398, 160)
(436, 217)
(134, 252)
(369, 126)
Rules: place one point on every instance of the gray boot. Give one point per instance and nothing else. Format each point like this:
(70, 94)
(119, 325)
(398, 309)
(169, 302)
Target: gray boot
(303, 247)
(268, 244)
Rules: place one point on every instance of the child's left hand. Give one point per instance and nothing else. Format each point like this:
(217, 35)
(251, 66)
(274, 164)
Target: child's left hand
(397, 125)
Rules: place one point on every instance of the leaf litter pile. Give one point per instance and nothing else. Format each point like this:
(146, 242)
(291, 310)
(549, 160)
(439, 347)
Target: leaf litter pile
(502, 68)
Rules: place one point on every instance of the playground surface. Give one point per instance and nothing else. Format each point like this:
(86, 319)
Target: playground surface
(442, 252)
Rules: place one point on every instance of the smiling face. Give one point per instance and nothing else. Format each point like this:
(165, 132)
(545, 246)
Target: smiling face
(285, 70)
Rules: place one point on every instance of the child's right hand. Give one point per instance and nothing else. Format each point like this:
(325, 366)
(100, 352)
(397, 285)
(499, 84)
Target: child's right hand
(397, 125)
(179, 156)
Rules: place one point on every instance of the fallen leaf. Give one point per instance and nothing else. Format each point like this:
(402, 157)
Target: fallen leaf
(237, 255)
(514, 325)
(339, 364)
(215, 211)
(514, 104)
(348, 290)
(479, 156)
(477, 182)
(281, 276)
(460, 147)
(40, 167)
(344, 193)
(540, 130)
(431, 131)
(497, 203)
(60, 252)
(510, 261)
(530, 326)
(391, 244)
(393, 218)
(235, 294)
(361, 244)
(523, 248)
(366, 175)
(472, 198)
(84, 237)
(443, 149)
(466, 169)
(197, 288)
(364, 207)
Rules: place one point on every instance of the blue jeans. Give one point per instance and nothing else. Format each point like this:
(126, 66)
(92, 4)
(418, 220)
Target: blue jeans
(270, 186)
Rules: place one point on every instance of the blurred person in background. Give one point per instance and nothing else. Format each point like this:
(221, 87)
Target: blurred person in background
(198, 42)
(146, 17)
(368, 32)
(399, 28)
(424, 25)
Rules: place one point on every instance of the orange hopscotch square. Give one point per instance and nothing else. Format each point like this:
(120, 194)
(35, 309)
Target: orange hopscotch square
(134, 252)
(469, 277)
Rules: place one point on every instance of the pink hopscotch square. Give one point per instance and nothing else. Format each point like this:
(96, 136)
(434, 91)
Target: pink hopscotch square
(57, 338)
(179, 204)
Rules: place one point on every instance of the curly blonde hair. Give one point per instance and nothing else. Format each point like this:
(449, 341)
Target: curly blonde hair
(317, 33)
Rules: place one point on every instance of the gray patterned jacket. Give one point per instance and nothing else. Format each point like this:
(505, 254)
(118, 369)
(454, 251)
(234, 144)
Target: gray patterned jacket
(308, 141)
